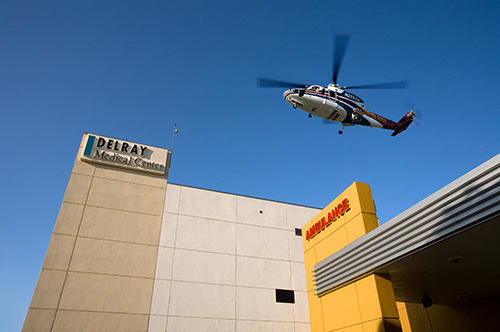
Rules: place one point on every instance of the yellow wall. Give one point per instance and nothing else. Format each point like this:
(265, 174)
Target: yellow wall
(369, 304)
(365, 305)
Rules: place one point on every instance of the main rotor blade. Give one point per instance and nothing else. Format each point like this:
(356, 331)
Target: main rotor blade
(270, 83)
(340, 43)
(390, 85)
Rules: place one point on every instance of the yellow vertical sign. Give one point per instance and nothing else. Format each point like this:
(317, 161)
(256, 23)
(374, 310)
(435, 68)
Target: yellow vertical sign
(349, 216)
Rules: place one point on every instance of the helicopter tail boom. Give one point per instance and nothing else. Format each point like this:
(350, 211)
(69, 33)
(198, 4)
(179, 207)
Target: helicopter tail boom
(405, 121)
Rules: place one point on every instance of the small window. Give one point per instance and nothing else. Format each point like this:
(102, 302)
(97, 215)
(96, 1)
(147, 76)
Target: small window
(285, 296)
(298, 231)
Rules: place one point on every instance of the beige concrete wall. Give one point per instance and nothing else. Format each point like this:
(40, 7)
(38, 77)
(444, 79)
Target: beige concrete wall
(221, 259)
(99, 269)
(131, 253)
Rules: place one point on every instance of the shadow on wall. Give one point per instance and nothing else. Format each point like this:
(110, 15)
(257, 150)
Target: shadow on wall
(480, 315)
(389, 325)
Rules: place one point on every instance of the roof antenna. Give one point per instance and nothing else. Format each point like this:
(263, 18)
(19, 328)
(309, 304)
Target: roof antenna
(175, 131)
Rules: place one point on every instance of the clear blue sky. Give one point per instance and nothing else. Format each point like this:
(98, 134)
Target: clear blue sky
(130, 69)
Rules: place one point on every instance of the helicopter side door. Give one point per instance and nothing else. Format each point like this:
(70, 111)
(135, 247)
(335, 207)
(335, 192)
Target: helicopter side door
(337, 113)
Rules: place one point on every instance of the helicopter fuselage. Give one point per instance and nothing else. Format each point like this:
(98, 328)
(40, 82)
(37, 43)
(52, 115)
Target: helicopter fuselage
(332, 104)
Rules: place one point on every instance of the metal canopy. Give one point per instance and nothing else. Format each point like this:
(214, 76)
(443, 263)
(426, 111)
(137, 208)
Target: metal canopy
(458, 223)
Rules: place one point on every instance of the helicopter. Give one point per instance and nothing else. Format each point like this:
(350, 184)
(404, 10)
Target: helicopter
(333, 103)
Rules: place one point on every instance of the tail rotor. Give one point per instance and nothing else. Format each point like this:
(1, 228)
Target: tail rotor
(417, 114)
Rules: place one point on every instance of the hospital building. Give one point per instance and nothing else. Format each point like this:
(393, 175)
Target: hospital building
(131, 251)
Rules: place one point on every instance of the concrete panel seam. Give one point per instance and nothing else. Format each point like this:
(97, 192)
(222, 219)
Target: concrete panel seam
(236, 267)
(72, 251)
(243, 196)
(173, 253)
(51, 269)
(157, 255)
(102, 312)
(110, 240)
(129, 182)
(73, 203)
(220, 284)
(231, 319)
(358, 302)
(196, 317)
(127, 211)
(290, 268)
(133, 173)
(237, 319)
(108, 274)
(233, 222)
(47, 309)
(230, 254)
(69, 202)
(36, 308)
(83, 174)
(61, 234)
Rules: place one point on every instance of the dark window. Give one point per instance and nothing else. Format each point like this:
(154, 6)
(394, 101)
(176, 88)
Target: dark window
(298, 231)
(285, 296)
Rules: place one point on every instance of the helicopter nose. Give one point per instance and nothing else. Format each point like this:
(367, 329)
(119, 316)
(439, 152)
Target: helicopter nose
(287, 92)
(291, 92)
(292, 96)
